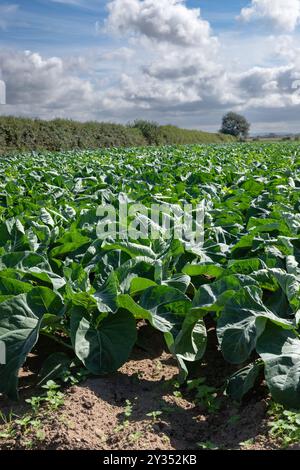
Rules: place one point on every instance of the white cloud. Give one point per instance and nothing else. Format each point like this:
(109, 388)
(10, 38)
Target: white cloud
(179, 70)
(283, 14)
(268, 88)
(164, 20)
(121, 54)
(39, 85)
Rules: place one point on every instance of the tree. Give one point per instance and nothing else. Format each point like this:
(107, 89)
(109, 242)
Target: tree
(235, 124)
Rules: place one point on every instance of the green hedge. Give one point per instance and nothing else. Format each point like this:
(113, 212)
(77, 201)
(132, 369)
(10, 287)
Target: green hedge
(170, 135)
(59, 134)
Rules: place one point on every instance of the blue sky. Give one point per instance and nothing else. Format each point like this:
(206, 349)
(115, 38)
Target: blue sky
(160, 59)
(54, 26)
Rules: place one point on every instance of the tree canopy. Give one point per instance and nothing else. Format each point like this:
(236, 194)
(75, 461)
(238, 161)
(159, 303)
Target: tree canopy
(235, 124)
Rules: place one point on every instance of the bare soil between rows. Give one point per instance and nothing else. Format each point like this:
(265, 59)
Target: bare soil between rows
(93, 414)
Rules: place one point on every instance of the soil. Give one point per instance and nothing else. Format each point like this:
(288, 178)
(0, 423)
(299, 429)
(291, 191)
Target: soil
(119, 412)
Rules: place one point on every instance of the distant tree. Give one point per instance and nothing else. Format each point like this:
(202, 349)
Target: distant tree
(236, 125)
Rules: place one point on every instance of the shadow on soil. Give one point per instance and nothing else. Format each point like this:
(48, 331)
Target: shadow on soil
(140, 407)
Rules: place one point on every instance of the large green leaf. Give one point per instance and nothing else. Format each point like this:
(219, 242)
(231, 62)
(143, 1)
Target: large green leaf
(214, 296)
(203, 269)
(243, 380)
(11, 286)
(280, 351)
(242, 322)
(105, 346)
(106, 296)
(55, 366)
(153, 306)
(20, 321)
(68, 243)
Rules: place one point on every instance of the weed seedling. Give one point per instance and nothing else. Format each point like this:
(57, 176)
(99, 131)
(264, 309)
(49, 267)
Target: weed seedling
(284, 424)
(54, 397)
(207, 445)
(128, 409)
(7, 421)
(206, 396)
(134, 437)
(154, 415)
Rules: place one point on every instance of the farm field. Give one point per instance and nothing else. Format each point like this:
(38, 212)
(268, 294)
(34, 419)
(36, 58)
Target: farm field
(162, 341)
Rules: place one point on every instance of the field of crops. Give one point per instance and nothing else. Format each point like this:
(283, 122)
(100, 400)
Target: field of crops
(59, 279)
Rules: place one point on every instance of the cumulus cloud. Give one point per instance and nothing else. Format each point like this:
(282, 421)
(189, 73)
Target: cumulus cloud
(179, 68)
(270, 87)
(164, 20)
(42, 85)
(283, 14)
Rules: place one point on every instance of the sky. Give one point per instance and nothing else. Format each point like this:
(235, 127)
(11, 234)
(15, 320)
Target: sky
(173, 61)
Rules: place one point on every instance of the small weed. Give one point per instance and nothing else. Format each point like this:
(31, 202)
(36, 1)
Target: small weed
(206, 396)
(24, 423)
(7, 420)
(134, 437)
(64, 420)
(165, 439)
(176, 386)
(247, 444)
(35, 403)
(157, 367)
(8, 423)
(75, 378)
(54, 397)
(154, 415)
(30, 422)
(120, 428)
(127, 414)
(40, 435)
(207, 445)
(128, 409)
(284, 424)
(7, 435)
(29, 444)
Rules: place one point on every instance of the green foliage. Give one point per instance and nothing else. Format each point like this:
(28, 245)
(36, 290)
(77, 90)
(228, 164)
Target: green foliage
(236, 125)
(284, 425)
(21, 134)
(30, 424)
(149, 129)
(58, 279)
(207, 446)
(172, 135)
(243, 380)
(154, 415)
(59, 134)
(205, 396)
(53, 398)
